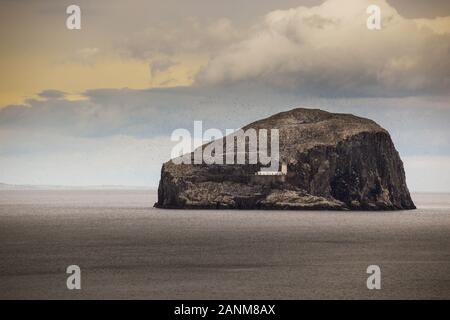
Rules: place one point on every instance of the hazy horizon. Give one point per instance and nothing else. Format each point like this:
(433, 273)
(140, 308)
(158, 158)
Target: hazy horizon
(153, 188)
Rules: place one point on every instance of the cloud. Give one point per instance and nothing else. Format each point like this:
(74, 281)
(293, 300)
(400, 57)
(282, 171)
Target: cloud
(52, 94)
(189, 36)
(161, 65)
(327, 50)
(121, 136)
(146, 113)
(419, 124)
(440, 25)
(85, 56)
(421, 9)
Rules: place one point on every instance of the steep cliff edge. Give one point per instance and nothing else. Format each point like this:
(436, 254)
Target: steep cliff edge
(334, 162)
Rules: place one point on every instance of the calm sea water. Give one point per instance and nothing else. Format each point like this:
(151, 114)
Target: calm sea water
(128, 249)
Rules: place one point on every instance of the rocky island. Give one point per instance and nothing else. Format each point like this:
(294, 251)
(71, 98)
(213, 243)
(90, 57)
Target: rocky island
(328, 161)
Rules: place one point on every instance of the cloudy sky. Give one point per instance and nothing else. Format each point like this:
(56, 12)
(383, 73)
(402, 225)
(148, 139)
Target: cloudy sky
(97, 106)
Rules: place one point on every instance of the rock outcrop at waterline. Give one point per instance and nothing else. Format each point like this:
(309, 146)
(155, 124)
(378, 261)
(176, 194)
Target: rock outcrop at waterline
(334, 162)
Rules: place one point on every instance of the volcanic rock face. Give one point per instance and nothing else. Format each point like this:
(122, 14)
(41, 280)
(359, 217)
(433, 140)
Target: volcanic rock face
(334, 162)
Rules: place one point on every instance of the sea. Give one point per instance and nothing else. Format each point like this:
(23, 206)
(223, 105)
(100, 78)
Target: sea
(126, 249)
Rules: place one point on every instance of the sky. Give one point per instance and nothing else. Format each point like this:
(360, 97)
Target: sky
(97, 106)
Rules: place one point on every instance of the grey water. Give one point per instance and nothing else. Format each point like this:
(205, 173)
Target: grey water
(127, 249)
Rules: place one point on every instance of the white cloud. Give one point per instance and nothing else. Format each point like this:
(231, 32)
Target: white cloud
(328, 50)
